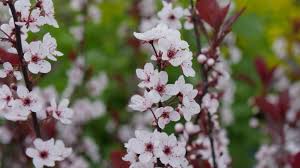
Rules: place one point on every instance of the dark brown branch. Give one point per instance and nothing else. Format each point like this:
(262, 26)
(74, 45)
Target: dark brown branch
(28, 83)
(204, 73)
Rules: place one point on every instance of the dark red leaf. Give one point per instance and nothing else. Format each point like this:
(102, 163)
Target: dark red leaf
(228, 24)
(265, 74)
(296, 161)
(272, 111)
(284, 103)
(116, 160)
(8, 57)
(211, 12)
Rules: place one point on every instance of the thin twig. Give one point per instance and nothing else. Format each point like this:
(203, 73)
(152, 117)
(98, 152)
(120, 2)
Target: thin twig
(19, 48)
(205, 82)
(156, 120)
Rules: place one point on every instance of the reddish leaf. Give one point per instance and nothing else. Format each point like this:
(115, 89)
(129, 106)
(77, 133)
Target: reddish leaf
(284, 103)
(116, 159)
(296, 161)
(228, 24)
(8, 57)
(264, 73)
(272, 111)
(211, 12)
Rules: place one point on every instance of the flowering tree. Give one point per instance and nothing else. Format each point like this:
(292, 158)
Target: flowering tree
(201, 141)
(24, 103)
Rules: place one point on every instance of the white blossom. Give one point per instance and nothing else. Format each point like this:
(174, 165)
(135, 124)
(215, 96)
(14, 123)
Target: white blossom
(35, 57)
(45, 153)
(61, 111)
(171, 16)
(165, 115)
(9, 70)
(140, 103)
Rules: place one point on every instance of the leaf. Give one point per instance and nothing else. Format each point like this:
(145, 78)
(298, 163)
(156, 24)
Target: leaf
(211, 12)
(265, 74)
(117, 161)
(284, 103)
(228, 24)
(296, 161)
(9, 57)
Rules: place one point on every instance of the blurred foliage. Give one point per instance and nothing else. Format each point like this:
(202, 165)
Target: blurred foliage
(263, 21)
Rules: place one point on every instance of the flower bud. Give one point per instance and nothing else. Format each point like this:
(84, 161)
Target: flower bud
(201, 58)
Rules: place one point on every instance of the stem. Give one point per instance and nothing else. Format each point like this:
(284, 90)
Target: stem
(211, 140)
(28, 83)
(156, 120)
(157, 56)
(205, 83)
(196, 30)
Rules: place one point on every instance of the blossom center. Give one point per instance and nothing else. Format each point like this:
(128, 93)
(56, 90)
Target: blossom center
(172, 17)
(149, 147)
(35, 59)
(167, 150)
(160, 88)
(44, 154)
(27, 101)
(165, 115)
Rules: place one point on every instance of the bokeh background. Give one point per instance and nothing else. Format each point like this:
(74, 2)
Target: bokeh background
(110, 47)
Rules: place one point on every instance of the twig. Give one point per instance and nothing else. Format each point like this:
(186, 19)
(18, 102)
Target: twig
(205, 82)
(28, 83)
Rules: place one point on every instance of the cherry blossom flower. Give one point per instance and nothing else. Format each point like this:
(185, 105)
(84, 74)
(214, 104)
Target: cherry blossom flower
(187, 68)
(165, 115)
(16, 112)
(8, 35)
(47, 9)
(140, 103)
(188, 108)
(171, 16)
(45, 153)
(161, 89)
(174, 50)
(91, 149)
(9, 70)
(170, 151)
(185, 89)
(135, 163)
(154, 34)
(31, 19)
(21, 5)
(97, 84)
(60, 150)
(210, 103)
(145, 144)
(61, 112)
(147, 75)
(85, 110)
(35, 57)
(49, 44)
(29, 100)
(6, 97)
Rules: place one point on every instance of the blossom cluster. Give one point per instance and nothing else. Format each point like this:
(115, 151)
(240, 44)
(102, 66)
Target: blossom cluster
(205, 139)
(149, 148)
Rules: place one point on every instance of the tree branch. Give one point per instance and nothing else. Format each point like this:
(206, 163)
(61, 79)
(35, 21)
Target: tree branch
(28, 83)
(204, 73)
